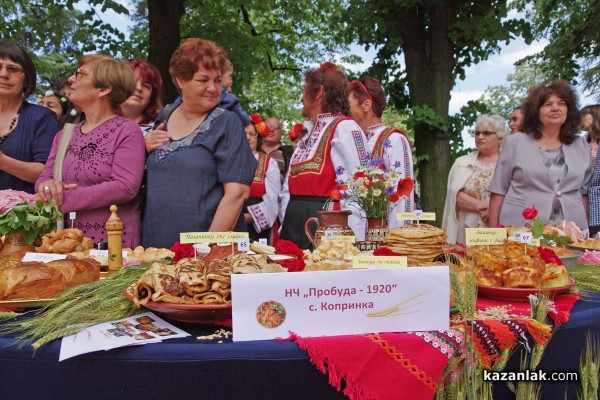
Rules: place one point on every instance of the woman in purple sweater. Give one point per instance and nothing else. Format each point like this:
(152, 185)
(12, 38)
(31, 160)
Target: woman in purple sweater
(104, 163)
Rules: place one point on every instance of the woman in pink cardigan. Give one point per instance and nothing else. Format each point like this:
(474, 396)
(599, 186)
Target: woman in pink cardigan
(104, 162)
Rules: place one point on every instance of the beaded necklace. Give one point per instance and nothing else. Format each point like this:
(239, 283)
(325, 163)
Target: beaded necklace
(12, 125)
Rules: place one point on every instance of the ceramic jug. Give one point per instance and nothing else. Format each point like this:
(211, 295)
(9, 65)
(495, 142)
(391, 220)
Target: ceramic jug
(335, 222)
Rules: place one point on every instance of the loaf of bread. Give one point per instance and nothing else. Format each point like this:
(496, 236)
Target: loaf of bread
(37, 280)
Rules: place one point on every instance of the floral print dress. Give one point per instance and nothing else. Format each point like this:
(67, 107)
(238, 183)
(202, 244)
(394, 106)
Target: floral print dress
(476, 186)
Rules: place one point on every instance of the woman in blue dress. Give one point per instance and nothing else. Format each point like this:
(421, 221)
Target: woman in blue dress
(26, 130)
(200, 166)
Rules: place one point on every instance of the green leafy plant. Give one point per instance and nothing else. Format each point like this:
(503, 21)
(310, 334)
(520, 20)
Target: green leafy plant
(21, 213)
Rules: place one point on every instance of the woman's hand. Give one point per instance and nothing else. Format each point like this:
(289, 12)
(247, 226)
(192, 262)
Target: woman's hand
(156, 138)
(53, 189)
(248, 218)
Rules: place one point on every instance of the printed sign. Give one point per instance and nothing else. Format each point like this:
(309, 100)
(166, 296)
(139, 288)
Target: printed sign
(267, 306)
(417, 215)
(485, 236)
(362, 262)
(43, 257)
(340, 238)
(212, 237)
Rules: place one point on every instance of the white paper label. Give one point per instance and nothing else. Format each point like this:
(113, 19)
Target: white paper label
(262, 242)
(243, 245)
(526, 237)
(43, 257)
(418, 214)
(72, 215)
(329, 234)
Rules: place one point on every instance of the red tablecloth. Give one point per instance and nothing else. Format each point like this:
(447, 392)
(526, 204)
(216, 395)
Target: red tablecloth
(396, 366)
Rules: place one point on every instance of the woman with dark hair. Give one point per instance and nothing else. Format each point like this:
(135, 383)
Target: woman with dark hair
(26, 130)
(260, 210)
(590, 122)
(200, 166)
(104, 160)
(143, 106)
(547, 165)
(328, 154)
(367, 103)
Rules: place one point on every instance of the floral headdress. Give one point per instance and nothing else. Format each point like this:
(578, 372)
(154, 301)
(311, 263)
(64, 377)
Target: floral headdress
(294, 131)
(259, 125)
(50, 92)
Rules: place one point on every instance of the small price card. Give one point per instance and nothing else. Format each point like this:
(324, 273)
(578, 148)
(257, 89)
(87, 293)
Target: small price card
(485, 236)
(72, 215)
(417, 215)
(43, 257)
(341, 238)
(262, 242)
(104, 253)
(364, 262)
(526, 237)
(212, 237)
(243, 245)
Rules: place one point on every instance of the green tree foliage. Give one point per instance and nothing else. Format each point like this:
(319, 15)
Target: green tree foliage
(438, 39)
(571, 28)
(501, 99)
(55, 33)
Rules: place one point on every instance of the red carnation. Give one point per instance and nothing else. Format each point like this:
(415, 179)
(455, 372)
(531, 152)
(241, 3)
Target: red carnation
(336, 194)
(530, 213)
(294, 265)
(385, 251)
(549, 255)
(182, 251)
(405, 186)
(394, 197)
(288, 247)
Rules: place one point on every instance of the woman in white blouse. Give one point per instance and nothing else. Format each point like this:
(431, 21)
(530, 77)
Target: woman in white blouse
(260, 210)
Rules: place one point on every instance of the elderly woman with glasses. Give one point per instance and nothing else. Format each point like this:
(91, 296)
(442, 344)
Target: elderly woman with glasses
(467, 199)
(26, 130)
(104, 161)
(546, 165)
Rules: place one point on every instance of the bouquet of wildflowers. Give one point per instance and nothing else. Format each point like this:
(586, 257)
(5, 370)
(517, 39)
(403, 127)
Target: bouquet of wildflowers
(373, 188)
(21, 213)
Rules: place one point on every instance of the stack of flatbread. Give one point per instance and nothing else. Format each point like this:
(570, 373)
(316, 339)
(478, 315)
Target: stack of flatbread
(193, 281)
(421, 243)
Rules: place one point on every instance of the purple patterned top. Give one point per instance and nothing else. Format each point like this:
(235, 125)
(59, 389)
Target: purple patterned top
(107, 164)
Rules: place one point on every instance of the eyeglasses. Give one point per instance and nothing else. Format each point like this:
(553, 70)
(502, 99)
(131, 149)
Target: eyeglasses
(251, 134)
(79, 72)
(484, 133)
(12, 69)
(273, 128)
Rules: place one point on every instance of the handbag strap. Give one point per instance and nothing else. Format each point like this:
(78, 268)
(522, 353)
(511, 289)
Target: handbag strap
(63, 145)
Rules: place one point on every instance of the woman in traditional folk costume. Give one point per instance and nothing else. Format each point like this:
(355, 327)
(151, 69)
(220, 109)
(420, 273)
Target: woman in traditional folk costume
(367, 102)
(260, 210)
(327, 155)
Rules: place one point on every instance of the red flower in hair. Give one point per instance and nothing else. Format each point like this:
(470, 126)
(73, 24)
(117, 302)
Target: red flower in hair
(294, 131)
(259, 125)
(405, 187)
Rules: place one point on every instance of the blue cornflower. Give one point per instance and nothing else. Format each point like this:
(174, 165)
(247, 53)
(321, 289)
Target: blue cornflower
(390, 189)
(340, 170)
(377, 161)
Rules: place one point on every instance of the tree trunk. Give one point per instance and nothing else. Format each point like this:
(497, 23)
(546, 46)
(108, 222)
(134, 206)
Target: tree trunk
(163, 22)
(429, 56)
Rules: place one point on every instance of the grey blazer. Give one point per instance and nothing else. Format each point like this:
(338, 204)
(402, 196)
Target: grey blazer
(523, 179)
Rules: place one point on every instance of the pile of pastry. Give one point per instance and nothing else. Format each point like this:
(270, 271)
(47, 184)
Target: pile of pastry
(196, 281)
(517, 265)
(420, 243)
(65, 241)
(38, 280)
(139, 255)
(331, 255)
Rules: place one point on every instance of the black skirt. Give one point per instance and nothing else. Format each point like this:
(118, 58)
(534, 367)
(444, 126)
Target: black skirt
(299, 209)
